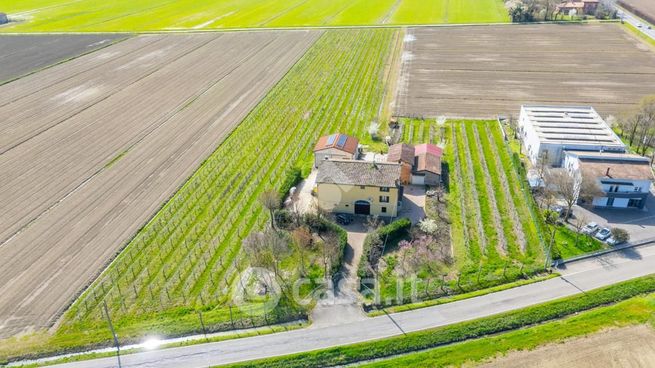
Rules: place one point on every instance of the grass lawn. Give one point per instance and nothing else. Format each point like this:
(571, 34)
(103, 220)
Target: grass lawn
(152, 15)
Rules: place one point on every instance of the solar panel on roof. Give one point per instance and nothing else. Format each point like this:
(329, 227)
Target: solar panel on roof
(330, 139)
(342, 141)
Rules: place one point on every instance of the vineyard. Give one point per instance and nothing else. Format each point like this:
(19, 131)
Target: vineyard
(491, 234)
(187, 257)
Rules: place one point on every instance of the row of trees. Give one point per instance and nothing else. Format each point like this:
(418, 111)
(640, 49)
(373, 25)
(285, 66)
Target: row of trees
(522, 11)
(638, 126)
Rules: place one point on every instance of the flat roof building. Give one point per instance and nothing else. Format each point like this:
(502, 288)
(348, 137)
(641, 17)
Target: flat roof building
(548, 131)
(624, 178)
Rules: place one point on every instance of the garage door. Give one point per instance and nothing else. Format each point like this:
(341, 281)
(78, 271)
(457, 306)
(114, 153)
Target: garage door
(418, 179)
(362, 208)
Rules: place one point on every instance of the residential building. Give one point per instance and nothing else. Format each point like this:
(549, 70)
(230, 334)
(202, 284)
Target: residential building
(336, 146)
(585, 7)
(403, 154)
(625, 179)
(427, 164)
(548, 131)
(359, 187)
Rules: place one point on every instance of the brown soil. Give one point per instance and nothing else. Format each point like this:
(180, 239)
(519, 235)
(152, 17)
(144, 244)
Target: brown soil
(480, 72)
(631, 347)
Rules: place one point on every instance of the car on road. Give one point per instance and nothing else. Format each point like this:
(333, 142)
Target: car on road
(344, 218)
(590, 228)
(603, 234)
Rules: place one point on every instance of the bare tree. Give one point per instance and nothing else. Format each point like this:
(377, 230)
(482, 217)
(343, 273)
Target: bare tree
(329, 248)
(270, 199)
(589, 188)
(579, 223)
(564, 185)
(302, 238)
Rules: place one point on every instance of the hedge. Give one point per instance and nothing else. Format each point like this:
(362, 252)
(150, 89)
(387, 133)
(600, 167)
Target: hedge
(392, 232)
(421, 340)
(292, 177)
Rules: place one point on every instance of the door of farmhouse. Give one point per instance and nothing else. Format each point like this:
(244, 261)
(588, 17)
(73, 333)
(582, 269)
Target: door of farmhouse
(362, 208)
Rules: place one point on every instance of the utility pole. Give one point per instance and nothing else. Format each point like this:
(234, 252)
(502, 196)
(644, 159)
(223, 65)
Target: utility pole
(113, 332)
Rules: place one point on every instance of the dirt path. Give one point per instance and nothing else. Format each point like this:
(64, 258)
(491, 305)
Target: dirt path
(632, 347)
(342, 304)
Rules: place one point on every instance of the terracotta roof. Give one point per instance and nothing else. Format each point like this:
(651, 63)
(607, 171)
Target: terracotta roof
(350, 172)
(428, 148)
(401, 152)
(617, 169)
(341, 142)
(428, 162)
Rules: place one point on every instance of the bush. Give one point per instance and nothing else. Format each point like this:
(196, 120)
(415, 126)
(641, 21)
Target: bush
(291, 179)
(440, 336)
(283, 218)
(391, 233)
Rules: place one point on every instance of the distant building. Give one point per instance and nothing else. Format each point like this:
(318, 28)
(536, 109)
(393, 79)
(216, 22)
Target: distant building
(335, 146)
(427, 164)
(3, 18)
(403, 154)
(585, 7)
(548, 131)
(624, 178)
(359, 187)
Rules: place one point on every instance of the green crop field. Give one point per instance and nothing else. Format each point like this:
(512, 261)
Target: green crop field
(187, 257)
(153, 15)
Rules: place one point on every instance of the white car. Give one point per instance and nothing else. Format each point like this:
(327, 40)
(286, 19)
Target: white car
(611, 241)
(603, 234)
(590, 228)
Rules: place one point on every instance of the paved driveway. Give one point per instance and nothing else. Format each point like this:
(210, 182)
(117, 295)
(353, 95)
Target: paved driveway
(413, 203)
(640, 224)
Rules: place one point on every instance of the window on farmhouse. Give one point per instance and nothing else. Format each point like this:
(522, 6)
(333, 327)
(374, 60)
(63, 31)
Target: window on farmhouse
(384, 189)
(362, 187)
(384, 210)
(384, 199)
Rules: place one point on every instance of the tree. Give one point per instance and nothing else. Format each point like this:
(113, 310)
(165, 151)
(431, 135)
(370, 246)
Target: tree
(564, 185)
(329, 247)
(620, 235)
(589, 188)
(270, 199)
(606, 9)
(429, 226)
(303, 239)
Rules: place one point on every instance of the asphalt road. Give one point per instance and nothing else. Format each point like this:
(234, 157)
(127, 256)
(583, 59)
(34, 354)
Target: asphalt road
(638, 23)
(576, 278)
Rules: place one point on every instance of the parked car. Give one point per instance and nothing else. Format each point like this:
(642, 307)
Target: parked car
(344, 219)
(590, 228)
(603, 234)
(611, 241)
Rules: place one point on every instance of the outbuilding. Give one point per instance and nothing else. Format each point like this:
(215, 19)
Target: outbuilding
(403, 154)
(335, 146)
(427, 164)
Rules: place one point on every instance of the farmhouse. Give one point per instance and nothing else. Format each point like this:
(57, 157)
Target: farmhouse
(547, 131)
(579, 7)
(624, 178)
(335, 146)
(359, 187)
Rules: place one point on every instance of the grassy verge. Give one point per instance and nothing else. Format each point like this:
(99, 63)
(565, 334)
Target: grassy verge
(636, 32)
(634, 311)
(455, 298)
(232, 335)
(483, 327)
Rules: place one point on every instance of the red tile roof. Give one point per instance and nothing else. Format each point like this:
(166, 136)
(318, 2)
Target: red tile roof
(428, 148)
(401, 152)
(341, 142)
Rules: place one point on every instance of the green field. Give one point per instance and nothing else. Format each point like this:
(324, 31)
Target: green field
(154, 15)
(187, 257)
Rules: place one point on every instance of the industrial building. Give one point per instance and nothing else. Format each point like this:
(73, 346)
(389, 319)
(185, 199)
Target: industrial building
(548, 131)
